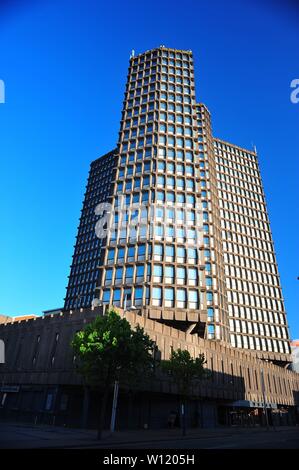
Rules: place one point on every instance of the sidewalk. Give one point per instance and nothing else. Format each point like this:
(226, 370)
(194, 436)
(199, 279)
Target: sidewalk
(16, 435)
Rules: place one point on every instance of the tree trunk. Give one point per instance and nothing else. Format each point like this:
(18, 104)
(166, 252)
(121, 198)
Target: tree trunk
(183, 414)
(102, 412)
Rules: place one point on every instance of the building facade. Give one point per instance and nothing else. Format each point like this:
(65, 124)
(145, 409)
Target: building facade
(174, 232)
(39, 382)
(87, 250)
(188, 240)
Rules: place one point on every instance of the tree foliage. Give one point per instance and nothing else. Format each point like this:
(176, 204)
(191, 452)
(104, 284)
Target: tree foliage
(108, 349)
(185, 370)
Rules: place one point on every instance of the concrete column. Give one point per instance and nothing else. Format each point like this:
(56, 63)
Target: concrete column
(85, 408)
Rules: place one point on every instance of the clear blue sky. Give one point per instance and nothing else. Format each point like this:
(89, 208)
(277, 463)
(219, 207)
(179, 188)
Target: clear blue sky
(65, 64)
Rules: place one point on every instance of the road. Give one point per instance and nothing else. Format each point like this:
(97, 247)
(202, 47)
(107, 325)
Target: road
(21, 436)
(288, 439)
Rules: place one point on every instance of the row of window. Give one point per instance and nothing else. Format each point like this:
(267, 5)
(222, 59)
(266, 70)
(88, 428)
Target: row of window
(261, 329)
(245, 240)
(251, 275)
(264, 257)
(253, 288)
(250, 313)
(84, 267)
(234, 150)
(168, 274)
(82, 289)
(242, 298)
(260, 344)
(242, 210)
(244, 220)
(248, 250)
(238, 185)
(242, 230)
(82, 255)
(239, 200)
(239, 191)
(237, 171)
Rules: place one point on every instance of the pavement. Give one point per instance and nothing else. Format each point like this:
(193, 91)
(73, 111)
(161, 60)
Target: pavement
(28, 436)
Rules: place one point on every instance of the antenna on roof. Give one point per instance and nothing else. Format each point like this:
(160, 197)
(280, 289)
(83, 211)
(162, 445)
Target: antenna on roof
(254, 147)
(132, 54)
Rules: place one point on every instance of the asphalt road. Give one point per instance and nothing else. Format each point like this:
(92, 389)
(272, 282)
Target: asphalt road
(262, 440)
(15, 436)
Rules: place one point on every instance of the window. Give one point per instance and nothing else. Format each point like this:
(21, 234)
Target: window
(138, 295)
(106, 296)
(158, 252)
(140, 273)
(181, 275)
(157, 296)
(169, 275)
(111, 252)
(210, 314)
(192, 255)
(129, 275)
(116, 297)
(181, 298)
(169, 251)
(193, 299)
(108, 277)
(141, 252)
(192, 276)
(121, 255)
(118, 275)
(211, 332)
(169, 297)
(157, 273)
(131, 253)
(181, 254)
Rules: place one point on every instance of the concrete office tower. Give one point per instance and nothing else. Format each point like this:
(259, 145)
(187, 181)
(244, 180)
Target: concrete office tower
(189, 243)
(87, 253)
(257, 316)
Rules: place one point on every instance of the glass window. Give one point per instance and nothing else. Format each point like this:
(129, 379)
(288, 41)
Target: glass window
(141, 252)
(131, 253)
(192, 276)
(210, 313)
(157, 296)
(169, 296)
(158, 271)
(106, 296)
(181, 298)
(116, 296)
(169, 252)
(121, 254)
(138, 295)
(181, 275)
(169, 274)
(111, 252)
(193, 299)
(118, 274)
(158, 252)
(181, 253)
(108, 277)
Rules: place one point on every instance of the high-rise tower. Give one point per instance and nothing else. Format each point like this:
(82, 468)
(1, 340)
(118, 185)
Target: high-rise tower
(187, 240)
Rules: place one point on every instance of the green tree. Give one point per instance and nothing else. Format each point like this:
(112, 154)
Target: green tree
(108, 349)
(185, 372)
